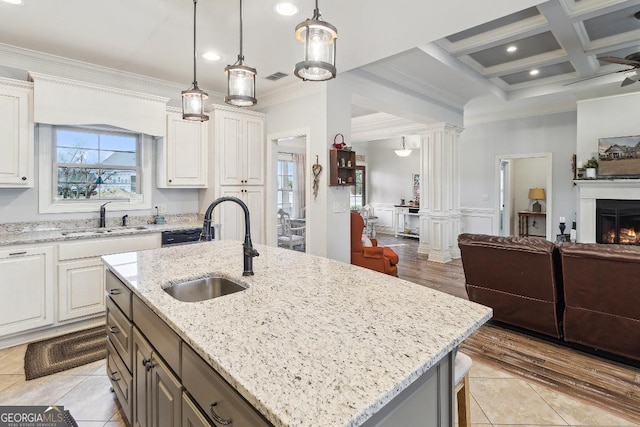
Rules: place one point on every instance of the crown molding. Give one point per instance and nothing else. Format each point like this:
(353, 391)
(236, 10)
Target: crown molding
(31, 61)
(382, 126)
(511, 114)
(294, 90)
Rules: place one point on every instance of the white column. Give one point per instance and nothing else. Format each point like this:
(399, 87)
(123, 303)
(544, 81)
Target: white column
(440, 192)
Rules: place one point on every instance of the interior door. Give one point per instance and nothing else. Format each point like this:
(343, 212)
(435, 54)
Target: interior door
(505, 198)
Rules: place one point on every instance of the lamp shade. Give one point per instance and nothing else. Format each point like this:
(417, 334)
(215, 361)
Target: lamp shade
(404, 151)
(536, 193)
(319, 40)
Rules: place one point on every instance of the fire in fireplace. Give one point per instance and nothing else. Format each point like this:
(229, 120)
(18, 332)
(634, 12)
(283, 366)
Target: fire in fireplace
(618, 221)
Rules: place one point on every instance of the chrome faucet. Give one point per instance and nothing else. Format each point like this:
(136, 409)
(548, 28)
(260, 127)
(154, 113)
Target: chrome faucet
(103, 211)
(248, 251)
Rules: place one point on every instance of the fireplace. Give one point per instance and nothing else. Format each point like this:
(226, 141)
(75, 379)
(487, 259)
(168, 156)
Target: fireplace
(618, 221)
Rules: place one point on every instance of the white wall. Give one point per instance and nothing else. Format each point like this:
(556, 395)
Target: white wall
(606, 117)
(483, 143)
(17, 205)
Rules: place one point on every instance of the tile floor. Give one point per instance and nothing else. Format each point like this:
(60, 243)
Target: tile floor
(498, 399)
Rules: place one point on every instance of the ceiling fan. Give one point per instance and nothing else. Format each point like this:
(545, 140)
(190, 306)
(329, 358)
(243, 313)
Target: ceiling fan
(632, 60)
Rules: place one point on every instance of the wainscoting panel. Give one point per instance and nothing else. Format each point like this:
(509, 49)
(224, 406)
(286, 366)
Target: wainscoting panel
(478, 221)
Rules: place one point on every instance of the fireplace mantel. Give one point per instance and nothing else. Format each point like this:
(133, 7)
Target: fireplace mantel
(589, 190)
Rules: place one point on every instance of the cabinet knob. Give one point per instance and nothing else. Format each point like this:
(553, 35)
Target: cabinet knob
(24, 178)
(170, 180)
(217, 418)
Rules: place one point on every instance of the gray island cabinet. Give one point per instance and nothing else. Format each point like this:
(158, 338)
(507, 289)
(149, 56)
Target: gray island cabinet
(309, 342)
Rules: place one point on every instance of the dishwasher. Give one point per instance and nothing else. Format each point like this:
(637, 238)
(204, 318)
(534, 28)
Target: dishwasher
(181, 237)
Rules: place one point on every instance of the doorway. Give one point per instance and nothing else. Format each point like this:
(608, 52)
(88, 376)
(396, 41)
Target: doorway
(288, 190)
(515, 176)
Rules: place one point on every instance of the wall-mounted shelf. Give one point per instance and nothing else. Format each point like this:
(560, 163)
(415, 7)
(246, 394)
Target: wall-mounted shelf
(342, 167)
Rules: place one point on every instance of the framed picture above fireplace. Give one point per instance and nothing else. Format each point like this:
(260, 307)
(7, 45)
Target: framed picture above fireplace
(619, 157)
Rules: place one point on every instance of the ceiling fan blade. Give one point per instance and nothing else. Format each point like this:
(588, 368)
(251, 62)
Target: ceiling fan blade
(627, 81)
(599, 75)
(617, 60)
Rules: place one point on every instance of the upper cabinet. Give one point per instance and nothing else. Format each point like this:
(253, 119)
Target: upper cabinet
(240, 144)
(16, 134)
(182, 155)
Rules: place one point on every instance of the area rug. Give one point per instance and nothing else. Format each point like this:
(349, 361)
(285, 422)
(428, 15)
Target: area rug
(609, 385)
(64, 352)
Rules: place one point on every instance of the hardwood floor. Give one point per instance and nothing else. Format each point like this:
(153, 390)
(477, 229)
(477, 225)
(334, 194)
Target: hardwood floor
(414, 267)
(594, 381)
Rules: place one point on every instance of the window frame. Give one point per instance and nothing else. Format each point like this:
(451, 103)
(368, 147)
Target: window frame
(48, 177)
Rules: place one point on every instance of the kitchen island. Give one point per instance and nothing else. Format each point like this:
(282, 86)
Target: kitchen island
(311, 341)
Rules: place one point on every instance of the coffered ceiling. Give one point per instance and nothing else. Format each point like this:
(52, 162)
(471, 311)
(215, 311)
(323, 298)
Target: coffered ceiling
(560, 39)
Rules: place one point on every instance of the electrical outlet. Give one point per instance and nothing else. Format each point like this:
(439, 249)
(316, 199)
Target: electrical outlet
(162, 209)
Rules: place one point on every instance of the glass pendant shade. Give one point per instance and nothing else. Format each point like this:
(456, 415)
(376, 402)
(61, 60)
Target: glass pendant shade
(193, 104)
(403, 152)
(241, 85)
(319, 39)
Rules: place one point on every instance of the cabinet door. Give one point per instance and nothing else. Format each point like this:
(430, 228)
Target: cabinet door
(230, 214)
(166, 392)
(232, 217)
(80, 288)
(26, 288)
(16, 136)
(185, 156)
(229, 143)
(253, 133)
(142, 353)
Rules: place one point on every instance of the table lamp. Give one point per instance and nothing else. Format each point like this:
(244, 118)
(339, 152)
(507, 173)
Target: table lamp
(537, 194)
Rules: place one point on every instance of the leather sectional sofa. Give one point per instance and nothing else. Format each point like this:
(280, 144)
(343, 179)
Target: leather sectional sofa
(587, 294)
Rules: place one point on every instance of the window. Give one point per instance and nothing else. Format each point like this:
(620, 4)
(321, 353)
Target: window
(84, 166)
(285, 183)
(95, 164)
(358, 191)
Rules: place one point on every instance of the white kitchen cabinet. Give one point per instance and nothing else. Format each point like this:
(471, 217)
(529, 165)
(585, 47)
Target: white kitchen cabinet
(16, 134)
(27, 288)
(232, 217)
(182, 155)
(240, 146)
(81, 272)
(80, 288)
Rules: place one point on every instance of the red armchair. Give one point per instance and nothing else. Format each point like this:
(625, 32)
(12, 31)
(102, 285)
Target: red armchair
(374, 257)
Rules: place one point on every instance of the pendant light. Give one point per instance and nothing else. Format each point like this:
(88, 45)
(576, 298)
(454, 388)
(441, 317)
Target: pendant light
(193, 98)
(404, 152)
(319, 40)
(241, 80)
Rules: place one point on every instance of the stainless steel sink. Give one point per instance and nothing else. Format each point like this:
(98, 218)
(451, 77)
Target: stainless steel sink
(203, 289)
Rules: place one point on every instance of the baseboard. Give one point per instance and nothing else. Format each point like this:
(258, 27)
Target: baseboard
(51, 331)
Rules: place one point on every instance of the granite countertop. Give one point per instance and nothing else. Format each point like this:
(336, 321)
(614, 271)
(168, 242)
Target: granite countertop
(312, 341)
(32, 233)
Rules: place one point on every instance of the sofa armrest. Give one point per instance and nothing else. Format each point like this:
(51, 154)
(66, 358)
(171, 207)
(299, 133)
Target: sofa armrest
(372, 252)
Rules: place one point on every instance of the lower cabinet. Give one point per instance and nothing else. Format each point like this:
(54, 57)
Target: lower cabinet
(157, 398)
(80, 288)
(167, 383)
(27, 288)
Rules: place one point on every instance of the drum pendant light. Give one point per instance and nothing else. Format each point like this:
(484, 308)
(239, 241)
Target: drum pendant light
(193, 98)
(319, 40)
(241, 80)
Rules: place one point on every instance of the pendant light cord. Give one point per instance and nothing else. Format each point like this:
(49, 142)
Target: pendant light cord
(240, 55)
(195, 81)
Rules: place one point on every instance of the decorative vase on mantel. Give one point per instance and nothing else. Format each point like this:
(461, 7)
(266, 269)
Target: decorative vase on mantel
(591, 166)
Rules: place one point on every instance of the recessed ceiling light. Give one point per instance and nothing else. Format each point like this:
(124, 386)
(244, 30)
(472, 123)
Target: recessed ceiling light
(512, 48)
(17, 2)
(285, 8)
(534, 72)
(211, 56)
